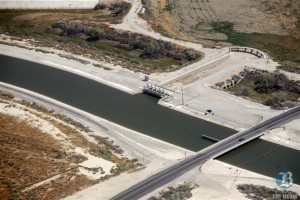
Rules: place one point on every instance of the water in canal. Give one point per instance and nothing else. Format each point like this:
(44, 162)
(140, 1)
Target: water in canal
(141, 113)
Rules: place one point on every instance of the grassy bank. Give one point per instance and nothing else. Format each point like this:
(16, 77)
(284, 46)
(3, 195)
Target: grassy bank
(281, 48)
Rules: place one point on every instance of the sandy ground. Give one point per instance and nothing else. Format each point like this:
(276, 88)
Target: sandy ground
(35, 119)
(156, 154)
(218, 181)
(153, 153)
(215, 177)
(287, 135)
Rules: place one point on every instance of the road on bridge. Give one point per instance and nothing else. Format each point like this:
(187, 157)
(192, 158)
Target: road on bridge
(161, 178)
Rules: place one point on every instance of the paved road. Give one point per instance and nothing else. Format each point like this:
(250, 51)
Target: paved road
(157, 180)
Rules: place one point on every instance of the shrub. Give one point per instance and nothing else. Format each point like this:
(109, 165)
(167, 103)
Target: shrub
(154, 50)
(276, 100)
(262, 192)
(94, 33)
(190, 55)
(266, 82)
(120, 8)
(100, 152)
(243, 91)
(182, 191)
(100, 6)
(70, 28)
(151, 48)
(169, 7)
(78, 158)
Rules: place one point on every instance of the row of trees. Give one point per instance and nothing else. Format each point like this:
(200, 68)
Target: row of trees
(150, 47)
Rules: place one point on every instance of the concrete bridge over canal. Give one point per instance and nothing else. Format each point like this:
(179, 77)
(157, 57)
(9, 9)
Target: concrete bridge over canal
(161, 178)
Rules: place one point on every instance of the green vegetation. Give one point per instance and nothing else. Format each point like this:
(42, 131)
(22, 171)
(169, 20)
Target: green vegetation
(102, 153)
(282, 48)
(82, 32)
(151, 48)
(271, 89)
(169, 6)
(104, 140)
(122, 167)
(100, 6)
(120, 8)
(182, 191)
(290, 67)
(77, 158)
(256, 192)
(117, 9)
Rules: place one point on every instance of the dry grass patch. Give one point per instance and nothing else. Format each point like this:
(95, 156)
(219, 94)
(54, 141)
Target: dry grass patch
(27, 155)
(35, 165)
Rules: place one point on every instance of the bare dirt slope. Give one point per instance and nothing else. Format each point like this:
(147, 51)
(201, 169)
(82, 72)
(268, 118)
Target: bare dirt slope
(194, 17)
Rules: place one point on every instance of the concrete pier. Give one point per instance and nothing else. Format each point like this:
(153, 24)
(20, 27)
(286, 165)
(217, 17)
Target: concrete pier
(210, 138)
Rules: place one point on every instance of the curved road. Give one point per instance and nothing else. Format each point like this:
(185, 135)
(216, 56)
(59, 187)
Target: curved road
(157, 180)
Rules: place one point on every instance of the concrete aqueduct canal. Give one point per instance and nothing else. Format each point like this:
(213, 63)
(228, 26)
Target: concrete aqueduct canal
(141, 113)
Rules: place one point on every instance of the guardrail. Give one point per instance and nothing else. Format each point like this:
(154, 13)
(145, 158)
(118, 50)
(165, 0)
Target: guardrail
(252, 51)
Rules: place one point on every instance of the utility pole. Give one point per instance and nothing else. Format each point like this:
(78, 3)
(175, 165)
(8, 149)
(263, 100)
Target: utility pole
(182, 96)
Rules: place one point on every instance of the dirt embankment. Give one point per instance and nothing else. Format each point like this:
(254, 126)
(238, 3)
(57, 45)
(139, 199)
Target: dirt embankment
(192, 19)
